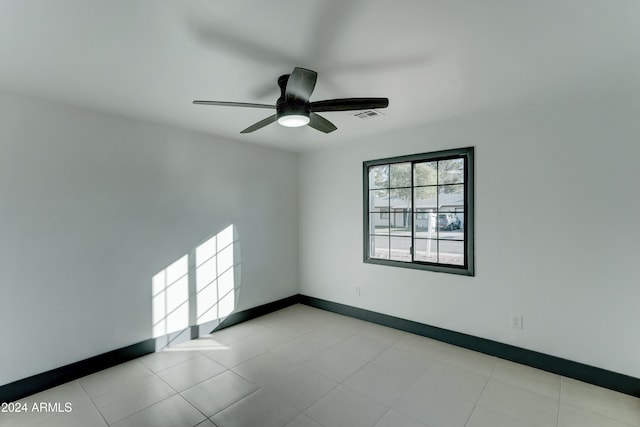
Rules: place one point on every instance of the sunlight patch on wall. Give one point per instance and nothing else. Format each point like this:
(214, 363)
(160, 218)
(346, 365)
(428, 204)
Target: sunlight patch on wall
(199, 287)
(170, 298)
(215, 284)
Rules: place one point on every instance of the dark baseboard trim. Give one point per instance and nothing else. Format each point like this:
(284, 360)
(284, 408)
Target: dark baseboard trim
(27, 386)
(568, 368)
(261, 310)
(590, 374)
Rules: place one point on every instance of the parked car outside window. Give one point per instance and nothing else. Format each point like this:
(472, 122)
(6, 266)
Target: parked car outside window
(448, 221)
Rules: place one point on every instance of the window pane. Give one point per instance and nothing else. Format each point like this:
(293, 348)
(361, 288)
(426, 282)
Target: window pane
(379, 177)
(378, 200)
(422, 214)
(451, 197)
(425, 198)
(451, 226)
(401, 223)
(447, 224)
(379, 247)
(400, 175)
(451, 171)
(426, 250)
(400, 248)
(400, 199)
(379, 223)
(451, 252)
(425, 173)
(426, 225)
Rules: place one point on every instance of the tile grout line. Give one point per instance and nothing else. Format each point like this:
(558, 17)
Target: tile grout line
(93, 403)
(525, 389)
(149, 406)
(559, 401)
(178, 393)
(475, 405)
(174, 365)
(160, 401)
(351, 390)
(234, 403)
(600, 414)
(391, 407)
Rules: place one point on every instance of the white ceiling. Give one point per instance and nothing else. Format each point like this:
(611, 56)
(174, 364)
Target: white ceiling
(434, 60)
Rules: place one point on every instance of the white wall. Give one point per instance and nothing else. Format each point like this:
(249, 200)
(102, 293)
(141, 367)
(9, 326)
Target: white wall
(93, 205)
(557, 237)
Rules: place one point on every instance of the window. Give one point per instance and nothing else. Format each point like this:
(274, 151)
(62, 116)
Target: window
(418, 211)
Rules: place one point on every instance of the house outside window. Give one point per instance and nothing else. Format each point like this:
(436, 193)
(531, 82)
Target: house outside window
(418, 211)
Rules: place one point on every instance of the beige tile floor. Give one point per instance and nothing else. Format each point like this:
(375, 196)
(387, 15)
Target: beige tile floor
(305, 367)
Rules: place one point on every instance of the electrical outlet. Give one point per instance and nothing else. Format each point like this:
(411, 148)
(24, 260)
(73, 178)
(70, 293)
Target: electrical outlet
(517, 321)
(357, 290)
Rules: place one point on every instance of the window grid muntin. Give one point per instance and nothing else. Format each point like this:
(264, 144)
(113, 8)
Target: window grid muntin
(466, 156)
(411, 209)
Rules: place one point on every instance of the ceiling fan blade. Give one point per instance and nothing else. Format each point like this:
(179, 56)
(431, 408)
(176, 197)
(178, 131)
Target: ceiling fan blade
(300, 85)
(318, 122)
(262, 123)
(349, 104)
(234, 104)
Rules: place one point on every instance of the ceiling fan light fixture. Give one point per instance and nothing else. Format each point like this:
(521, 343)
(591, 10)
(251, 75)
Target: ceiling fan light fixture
(293, 120)
(293, 108)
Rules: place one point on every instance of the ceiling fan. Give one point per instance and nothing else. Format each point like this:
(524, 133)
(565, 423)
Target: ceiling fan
(293, 108)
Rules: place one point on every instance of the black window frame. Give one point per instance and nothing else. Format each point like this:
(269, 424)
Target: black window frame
(467, 153)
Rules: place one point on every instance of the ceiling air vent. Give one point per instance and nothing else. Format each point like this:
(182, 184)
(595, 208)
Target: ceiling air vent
(368, 114)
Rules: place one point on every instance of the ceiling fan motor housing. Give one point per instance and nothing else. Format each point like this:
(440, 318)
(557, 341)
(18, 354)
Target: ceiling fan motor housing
(286, 109)
(297, 107)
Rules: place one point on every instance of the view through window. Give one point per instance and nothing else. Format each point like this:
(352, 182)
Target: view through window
(419, 211)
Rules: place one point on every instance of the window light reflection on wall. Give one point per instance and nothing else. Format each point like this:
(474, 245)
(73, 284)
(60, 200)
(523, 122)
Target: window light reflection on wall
(215, 284)
(209, 272)
(170, 300)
